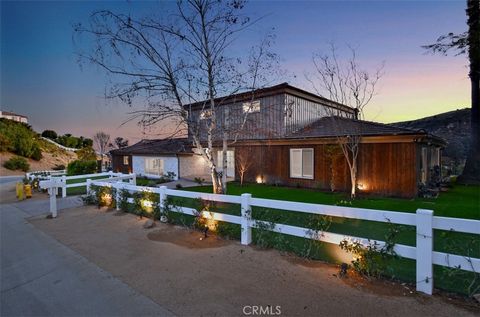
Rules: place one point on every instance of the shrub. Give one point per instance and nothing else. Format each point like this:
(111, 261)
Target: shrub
(87, 154)
(37, 154)
(19, 138)
(79, 167)
(50, 134)
(17, 163)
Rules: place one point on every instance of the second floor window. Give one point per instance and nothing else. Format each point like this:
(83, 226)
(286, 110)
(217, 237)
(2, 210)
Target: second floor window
(251, 107)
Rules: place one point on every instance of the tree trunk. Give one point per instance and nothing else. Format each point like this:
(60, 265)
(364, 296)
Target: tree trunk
(225, 162)
(218, 187)
(471, 172)
(353, 179)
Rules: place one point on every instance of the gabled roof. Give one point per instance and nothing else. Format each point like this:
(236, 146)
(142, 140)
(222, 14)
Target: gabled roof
(273, 90)
(338, 126)
(156, 147)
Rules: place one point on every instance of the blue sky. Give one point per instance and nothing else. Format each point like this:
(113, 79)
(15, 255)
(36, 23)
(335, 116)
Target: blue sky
(41, 78)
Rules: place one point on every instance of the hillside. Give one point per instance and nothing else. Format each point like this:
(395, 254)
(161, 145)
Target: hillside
(18, 139)
(453, 126)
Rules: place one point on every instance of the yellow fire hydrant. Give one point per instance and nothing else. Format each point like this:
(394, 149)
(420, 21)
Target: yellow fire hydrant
(19, 191)
(27, 188)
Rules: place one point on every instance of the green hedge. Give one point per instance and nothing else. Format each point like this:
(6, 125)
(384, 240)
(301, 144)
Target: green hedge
(79, 167)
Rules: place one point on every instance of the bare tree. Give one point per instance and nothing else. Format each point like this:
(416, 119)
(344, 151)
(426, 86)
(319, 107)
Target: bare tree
(347, 83)
(102, 141)
(176, 63)
(243, 162)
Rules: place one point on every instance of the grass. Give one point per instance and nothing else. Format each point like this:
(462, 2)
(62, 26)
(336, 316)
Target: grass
(459, 201)
(81, 190)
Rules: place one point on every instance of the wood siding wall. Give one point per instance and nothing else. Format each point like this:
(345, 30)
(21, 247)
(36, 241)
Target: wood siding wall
(280, 115)
(385, 169)
(119, 167)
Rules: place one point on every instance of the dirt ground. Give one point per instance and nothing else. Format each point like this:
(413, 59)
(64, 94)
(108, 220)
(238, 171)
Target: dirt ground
(49, 161)
(215, 277)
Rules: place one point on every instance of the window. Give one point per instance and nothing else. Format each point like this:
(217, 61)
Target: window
(205, 114)
(153, 166)
(125, 160)
(301, 163)
(251, 107)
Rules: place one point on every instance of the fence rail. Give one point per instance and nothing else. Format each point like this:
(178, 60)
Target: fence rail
(110, 178)
(424, 221)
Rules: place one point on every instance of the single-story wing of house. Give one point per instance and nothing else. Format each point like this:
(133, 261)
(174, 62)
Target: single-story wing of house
(154, 158)
(303, 151)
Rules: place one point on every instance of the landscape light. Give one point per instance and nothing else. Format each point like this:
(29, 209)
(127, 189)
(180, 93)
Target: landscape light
(259, 179)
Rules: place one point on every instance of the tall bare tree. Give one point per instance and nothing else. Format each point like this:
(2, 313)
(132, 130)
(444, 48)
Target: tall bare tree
(468, 42)
(102, 142)
(180, 60)
(345, 82)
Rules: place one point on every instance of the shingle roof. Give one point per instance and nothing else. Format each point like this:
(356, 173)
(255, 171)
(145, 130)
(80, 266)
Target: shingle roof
(339, 126)
(157, 146)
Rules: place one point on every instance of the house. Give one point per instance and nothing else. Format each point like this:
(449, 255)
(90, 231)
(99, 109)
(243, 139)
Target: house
(154, 158)
(290, 137)
(13, 116)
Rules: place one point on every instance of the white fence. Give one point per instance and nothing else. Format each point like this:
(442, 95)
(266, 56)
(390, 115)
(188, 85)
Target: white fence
(70, 149)
(44, 174)
(424, 221)
(109, 177)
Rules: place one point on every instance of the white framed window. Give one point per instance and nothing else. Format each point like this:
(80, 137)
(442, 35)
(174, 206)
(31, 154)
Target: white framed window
(251, 107)
(125, 160)
(154, 166)
(301, 163)
(205, 114)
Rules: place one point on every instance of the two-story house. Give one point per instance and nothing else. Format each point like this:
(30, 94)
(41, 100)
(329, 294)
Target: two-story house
(287, 136)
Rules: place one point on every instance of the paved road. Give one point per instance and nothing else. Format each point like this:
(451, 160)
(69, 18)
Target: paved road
(9, 179)
(41, 277)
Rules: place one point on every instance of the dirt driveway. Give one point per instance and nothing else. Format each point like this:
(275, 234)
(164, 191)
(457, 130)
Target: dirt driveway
(214, 277)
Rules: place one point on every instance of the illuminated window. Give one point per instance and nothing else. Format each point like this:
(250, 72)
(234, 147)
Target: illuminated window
(205, 114)
(251, 107)
(125, 160)
(301, 163)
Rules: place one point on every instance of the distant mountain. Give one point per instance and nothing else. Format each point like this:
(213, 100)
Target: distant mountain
(453, 126)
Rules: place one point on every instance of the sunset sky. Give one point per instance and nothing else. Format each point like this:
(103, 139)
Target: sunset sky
(41, 78)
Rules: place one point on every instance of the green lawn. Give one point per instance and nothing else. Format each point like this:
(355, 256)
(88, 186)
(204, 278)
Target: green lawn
(459, 201)
(81, 190)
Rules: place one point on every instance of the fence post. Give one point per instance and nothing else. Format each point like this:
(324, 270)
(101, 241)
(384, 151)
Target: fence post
(424, 250)
(133, 180)
(89, 181)
(64, 186)
(163, 197)
(246, 237)
(117, 187)
(52, 191)
(110, 174)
